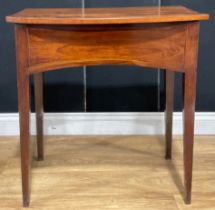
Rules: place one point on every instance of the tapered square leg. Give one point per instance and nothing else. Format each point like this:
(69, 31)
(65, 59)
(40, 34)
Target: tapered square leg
(169, 112)
(188, 114)
(24, 109)
(189, 97)
(38, 90)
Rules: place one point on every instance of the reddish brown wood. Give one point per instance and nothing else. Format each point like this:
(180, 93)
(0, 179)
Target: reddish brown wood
(24, 107)
(189, 81)
(166, 43)
(133, 45)
(38, 89)
(169, 111)
(118, 15)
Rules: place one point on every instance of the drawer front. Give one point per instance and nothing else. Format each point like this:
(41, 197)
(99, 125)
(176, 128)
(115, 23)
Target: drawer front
(149, 45)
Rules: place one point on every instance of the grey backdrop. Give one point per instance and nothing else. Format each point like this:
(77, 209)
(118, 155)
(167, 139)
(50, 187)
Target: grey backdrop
(109, 88)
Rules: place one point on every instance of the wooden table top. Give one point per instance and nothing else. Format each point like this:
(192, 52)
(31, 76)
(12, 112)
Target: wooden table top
(120, 15)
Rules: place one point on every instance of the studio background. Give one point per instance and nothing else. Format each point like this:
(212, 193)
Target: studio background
(107, 88)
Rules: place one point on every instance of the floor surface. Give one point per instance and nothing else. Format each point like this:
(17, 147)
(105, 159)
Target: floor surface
(108, 172)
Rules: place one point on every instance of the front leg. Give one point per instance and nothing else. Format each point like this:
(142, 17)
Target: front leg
(189, 93)
(24, 108)
(188, 114)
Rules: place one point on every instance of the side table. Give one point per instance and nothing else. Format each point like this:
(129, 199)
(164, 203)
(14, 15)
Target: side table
(157, 37)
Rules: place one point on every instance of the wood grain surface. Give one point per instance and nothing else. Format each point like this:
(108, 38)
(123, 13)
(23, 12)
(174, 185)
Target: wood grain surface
(108, 172)
(189, 99)
(156, 45)
(120, 15)
(24, 100)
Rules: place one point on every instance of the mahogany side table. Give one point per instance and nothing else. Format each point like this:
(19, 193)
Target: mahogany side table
(157, 37)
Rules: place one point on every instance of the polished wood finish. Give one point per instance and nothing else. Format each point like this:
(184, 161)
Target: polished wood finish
(189, 88)
(108, 172)
(170, 41)
(38, 92)
(170, 76)
(120, 15)
(24, 107)
(110, 45)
